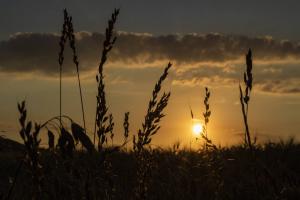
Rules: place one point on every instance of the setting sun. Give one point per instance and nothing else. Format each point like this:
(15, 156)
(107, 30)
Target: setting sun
(197, 129)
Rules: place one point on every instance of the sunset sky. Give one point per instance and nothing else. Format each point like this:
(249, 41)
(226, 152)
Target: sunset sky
(205, 40)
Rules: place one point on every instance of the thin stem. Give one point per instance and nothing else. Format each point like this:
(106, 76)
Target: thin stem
(56, 117)
(71, 37)
(205, 128)
(245, 119)
(81, 99)
(60, 85)
(60, 61)
(95, 127)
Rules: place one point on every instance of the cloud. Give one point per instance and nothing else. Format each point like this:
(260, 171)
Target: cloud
(279, 87)
(280, 77)
(212, 59)
(39, 51)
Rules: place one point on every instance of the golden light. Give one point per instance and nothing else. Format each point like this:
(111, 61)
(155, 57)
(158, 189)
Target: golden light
(197, 128)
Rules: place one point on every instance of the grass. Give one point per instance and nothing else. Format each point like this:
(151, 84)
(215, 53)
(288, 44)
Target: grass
(226, 173)
(245, 97)
(102, 124)
(149, 128)
(103, 171)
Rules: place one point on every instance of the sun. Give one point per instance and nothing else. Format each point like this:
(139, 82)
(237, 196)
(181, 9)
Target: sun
(197, 129)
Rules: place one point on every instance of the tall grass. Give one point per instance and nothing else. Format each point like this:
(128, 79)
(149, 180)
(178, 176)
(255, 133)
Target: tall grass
(31, 141)
(154, 114)
(149, 128)
(68, 33)
(206, 116)
(103, 121)
(62, 42)
(245, 97)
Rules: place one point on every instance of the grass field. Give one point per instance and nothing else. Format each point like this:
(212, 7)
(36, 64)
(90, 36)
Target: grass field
(226, 173)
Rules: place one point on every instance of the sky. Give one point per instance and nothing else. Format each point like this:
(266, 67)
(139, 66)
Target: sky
(205, 40)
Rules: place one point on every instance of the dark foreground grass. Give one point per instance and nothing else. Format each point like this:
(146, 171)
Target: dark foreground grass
(226, 173)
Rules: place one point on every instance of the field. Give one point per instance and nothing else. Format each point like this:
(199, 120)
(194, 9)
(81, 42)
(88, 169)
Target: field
(75, 166)
(226, 173)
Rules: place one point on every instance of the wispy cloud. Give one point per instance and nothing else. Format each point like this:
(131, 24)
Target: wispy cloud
(271, 78)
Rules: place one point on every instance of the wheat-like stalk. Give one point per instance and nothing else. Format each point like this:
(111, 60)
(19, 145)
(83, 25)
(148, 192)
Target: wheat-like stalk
(126, 126)
(68, 33)
(71, 37)
(149, 128)
(101, 125)
(154, 114)
(62, 42)
(245, 97)
(31, 141)
(206, 115)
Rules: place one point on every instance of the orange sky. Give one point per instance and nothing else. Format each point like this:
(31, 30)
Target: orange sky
(272, 115)
(206, 42)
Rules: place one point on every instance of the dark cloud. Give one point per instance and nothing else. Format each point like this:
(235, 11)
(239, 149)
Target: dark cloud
(35, 52)
(38, 52)
(215, 58)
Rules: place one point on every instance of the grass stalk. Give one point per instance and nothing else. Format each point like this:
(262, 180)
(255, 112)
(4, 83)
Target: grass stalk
(245, 97)
(31, 142)
(149, 128)
(68, 33)
(206, 115)
(71, 37)
(62, 42)
(101, 126)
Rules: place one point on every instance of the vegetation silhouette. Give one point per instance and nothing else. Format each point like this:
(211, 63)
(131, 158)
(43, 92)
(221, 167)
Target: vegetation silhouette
(103, 171)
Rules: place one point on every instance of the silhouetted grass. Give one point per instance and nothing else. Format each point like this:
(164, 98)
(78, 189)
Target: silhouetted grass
(271, 171)
(225, 173)
(245, 97)
(149, 128)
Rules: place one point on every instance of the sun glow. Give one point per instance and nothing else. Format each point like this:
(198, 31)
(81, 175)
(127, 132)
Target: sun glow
(197, 129)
